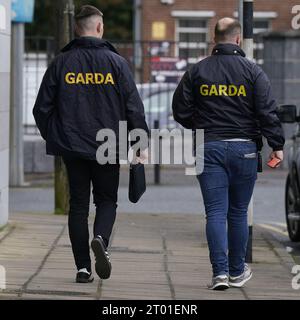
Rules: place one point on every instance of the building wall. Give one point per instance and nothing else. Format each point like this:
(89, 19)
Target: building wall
(4, 107)
(154, 10)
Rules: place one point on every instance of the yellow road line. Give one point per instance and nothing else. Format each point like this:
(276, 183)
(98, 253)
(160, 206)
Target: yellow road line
(280, 224)
(273, 228)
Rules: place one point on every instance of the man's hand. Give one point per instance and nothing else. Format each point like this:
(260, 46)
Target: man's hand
(143, 157)
(278, 155)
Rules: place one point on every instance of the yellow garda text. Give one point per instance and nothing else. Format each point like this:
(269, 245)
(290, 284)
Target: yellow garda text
(222, 90)
(89, 78)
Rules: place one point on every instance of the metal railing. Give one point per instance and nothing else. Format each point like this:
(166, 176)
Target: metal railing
(39, 51)
(157, 66)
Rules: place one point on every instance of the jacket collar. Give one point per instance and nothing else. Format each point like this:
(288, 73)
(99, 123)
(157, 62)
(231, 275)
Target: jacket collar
(89, 42)
(228, 49)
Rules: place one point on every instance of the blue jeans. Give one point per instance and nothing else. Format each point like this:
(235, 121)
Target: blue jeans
(227, 182)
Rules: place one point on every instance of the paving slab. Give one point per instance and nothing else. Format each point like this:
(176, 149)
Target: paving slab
(153, 256)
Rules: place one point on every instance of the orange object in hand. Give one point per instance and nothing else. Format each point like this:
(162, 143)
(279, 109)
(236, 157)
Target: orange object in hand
(274, 163)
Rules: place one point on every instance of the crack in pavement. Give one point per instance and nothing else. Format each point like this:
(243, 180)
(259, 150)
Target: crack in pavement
(53, 246)
(20, 292)
(166, 268)
(99, 290)
(9, 232)
(270, 242)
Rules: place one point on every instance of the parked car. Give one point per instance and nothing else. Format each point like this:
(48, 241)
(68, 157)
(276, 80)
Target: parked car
(157, 99)
(290, 114)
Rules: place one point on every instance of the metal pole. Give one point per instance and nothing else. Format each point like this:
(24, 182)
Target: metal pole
(248, 28)
(249, 251)
(248, 48)
(241, 13)
(16, 171)
(137, 26)
(157, 166)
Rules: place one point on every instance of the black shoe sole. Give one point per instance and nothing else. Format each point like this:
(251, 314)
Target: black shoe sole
(221, 288)
(102, 265)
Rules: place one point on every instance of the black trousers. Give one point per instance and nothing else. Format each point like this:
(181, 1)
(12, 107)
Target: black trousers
(105, 181)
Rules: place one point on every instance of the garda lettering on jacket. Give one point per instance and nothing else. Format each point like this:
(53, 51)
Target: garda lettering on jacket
(222, 90)
(89, 78)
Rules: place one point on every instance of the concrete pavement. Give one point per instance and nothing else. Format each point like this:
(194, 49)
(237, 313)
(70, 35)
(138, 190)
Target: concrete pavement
(153, 256)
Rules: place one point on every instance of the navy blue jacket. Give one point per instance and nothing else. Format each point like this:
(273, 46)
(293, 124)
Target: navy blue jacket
(87, 87)
(229, 97)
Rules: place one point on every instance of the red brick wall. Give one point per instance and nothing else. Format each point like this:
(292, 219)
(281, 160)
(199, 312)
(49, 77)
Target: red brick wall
(154, 10)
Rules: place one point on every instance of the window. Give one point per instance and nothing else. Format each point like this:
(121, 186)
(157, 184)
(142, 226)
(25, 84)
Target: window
(261, 23)
(259, 26)
(191, 35)
(192, 23)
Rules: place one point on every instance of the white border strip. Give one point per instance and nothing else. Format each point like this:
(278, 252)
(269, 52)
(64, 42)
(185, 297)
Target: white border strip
(260, 14)
(193, 14)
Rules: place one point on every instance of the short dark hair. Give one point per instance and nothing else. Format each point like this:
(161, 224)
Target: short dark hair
(87, 11)
(82, 17)
(230, 30)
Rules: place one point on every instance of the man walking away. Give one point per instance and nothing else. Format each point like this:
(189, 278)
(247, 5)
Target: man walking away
(88, 87)
(229, 97)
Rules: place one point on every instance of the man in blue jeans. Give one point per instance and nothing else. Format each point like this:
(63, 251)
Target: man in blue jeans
(229, 97)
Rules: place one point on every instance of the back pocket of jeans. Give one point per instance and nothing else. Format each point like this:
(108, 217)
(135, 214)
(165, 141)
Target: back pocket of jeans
(248, 165)
(246, 156)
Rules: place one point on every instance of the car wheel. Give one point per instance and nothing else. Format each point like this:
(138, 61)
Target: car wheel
(291, 212)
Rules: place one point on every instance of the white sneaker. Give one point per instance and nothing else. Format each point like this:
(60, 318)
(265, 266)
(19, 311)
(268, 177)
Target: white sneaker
(219, 283)
(239, 281)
